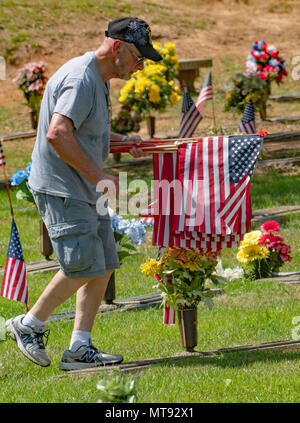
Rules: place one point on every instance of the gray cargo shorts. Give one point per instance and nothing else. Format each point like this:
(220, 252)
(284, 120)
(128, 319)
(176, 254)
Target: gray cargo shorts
(83, 241)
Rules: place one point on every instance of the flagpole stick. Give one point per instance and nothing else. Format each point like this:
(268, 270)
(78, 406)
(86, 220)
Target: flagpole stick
(8, 192)
(213, 107)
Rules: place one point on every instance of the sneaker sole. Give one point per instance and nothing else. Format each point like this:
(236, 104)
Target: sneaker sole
(78, 366)
(14, 335)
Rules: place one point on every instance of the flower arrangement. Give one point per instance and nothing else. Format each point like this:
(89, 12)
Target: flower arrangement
(181, 276)
(20, 179)
(127, 233)
(32, 81)
(262, 252)
(240, 88)
(124, 122)
(265, 62)
(153, 87)
(263, 65)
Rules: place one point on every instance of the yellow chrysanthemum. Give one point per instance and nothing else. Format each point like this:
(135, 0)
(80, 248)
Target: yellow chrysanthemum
(252, 252)
(170, 46)
(150, 268)
(157, 45)
(174, 98)
(154, 94)
(173, 59)
(251, 238)
(163, 51)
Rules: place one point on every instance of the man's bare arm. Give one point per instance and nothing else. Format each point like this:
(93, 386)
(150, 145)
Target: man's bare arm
(60, 135)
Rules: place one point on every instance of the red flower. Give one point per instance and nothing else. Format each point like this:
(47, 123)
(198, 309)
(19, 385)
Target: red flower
(259, 67)
(255, 54)
(262, 133)
(262, 75)
(269, 240)
(264, 56)
(284, 250)
(274, 54)
(270, 226)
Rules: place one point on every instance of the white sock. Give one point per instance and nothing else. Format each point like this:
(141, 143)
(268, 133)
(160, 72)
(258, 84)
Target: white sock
(79, 338)
(30, 320)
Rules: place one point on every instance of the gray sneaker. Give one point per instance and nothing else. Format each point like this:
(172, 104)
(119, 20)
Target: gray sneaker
(29, 340)
(86, 357)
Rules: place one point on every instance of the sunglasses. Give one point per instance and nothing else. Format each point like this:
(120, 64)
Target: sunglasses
(139, 59)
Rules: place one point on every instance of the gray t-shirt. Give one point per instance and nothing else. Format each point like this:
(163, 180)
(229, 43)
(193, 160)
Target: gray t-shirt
(77, 91)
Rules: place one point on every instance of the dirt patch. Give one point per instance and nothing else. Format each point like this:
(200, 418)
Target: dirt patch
(221, 30)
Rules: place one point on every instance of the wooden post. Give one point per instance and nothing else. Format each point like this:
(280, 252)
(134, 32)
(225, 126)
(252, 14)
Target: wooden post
(46, 245)
(151, 126)
(110, 293)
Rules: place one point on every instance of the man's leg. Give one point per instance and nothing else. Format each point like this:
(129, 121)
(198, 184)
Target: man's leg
(88, 301)
(29, 336)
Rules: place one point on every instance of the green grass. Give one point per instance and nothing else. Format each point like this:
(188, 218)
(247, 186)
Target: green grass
(247, 313)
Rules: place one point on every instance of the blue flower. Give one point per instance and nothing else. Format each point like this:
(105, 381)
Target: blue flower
(136, 232)
(20, 176)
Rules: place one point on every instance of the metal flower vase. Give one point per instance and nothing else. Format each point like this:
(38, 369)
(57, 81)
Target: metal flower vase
(151, 126)
(187, 319)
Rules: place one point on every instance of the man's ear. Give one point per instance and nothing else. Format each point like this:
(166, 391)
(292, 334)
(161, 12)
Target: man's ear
(116, 47)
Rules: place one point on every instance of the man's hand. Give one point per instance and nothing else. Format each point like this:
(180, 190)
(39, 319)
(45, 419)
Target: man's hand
(105, 183)
(135, 151)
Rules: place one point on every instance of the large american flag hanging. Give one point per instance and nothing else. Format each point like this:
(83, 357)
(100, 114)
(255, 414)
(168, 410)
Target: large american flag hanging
(14, 285)
(248, 120)
(208, 208)
(206, 93)
(2, 158)
(190, 116)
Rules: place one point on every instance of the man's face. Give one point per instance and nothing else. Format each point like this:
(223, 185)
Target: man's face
(128, 61)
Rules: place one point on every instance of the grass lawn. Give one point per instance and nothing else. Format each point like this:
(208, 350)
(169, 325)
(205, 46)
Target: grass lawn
(247, 313)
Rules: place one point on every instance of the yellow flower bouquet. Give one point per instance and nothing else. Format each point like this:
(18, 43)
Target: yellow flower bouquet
(262, 252)
(153, 87)
(181, 276)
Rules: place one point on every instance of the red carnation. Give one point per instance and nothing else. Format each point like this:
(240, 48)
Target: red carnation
(270, 226)
(262, 133)
(264, 56)
(274, 54)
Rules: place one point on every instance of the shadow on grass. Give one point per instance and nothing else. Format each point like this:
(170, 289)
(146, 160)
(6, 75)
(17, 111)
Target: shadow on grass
(234, 359)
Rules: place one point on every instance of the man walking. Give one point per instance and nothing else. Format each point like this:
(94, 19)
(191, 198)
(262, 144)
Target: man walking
(67, 164)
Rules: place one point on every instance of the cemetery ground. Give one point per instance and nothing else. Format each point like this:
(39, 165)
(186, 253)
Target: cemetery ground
(247, 312)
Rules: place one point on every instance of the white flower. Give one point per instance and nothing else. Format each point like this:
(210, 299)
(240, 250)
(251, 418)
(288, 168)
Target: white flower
(229, 274)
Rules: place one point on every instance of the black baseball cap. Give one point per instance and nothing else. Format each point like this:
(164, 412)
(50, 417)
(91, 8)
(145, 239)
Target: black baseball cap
(134, 31)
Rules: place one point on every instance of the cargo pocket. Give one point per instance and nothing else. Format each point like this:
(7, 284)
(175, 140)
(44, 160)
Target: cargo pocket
(73, 244)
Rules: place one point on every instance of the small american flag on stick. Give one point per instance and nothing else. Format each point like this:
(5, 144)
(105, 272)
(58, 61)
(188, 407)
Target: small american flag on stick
(206, 93)
(14, 285)
(2, 157)
(248, 120)
(190, 116)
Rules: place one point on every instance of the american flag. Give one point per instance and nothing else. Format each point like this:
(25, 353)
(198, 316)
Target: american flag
(190, 116)
(206, 93)
(14, 285)
(214, 209)
(248, 120)
(2, 157)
